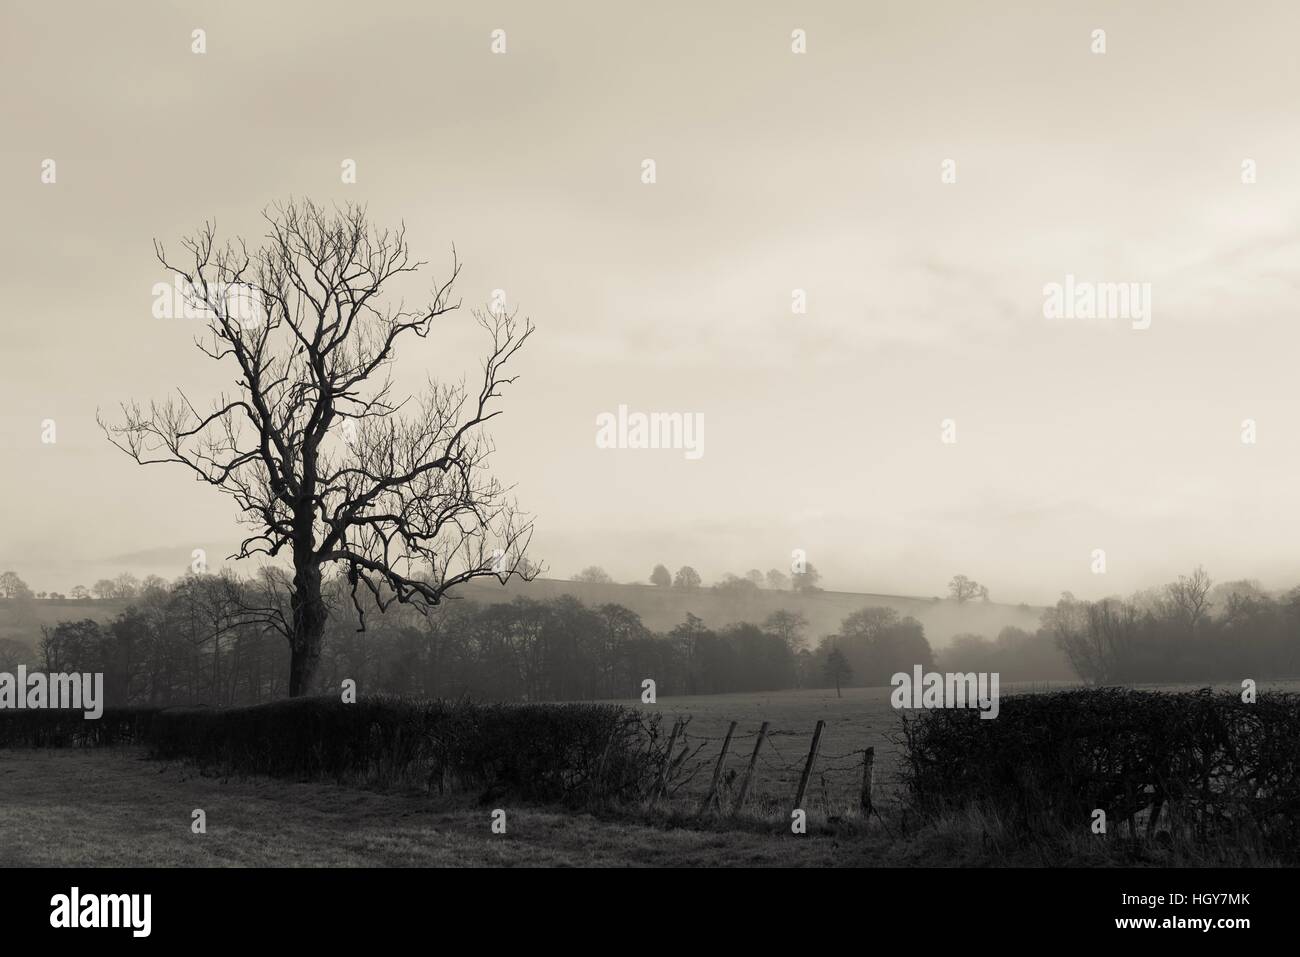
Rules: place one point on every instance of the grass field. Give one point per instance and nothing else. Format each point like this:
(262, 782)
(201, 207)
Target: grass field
(114, 807)
(861, 718)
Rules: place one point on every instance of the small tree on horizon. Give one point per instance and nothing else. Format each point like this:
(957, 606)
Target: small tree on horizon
(661, 577)
(687, 577)
(806, 580)
(963, 589)
(125, 585)
(777, 580)
(11, 586)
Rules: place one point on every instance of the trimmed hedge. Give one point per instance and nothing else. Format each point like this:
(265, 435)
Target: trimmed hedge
(1210, 763)
(535, 752)
(540, 752)
(51, 728)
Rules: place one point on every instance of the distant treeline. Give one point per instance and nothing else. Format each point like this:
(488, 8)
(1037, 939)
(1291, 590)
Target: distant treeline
(208, 639)
(212, 639)
(1189, 630)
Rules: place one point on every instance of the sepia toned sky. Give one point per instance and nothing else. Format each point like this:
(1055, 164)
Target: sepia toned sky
(775, 171)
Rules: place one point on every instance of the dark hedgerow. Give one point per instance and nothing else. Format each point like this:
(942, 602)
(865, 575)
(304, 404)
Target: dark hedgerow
(1192, 763)
(540, 752)
(49, 728)
(547, 751)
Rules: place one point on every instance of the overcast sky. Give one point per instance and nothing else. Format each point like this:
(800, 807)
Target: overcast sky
(775, 171)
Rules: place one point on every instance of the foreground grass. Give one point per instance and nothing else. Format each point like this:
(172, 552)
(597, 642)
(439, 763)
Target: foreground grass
(115, 808)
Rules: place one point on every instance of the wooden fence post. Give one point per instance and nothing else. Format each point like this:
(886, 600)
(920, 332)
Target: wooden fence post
(749, 771)
(662, 781)
(807, 768)
(598, 781)
(868, 779)
(717, 770)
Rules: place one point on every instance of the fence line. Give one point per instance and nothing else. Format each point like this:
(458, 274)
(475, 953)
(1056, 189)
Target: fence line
(688, 754)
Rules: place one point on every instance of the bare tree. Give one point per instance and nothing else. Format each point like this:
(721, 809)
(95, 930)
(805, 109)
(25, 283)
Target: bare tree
(11, 586)
(326, 464)
(837, 670)
(126, 585)
(1188, 598)
(789, 626)
(1097, 637)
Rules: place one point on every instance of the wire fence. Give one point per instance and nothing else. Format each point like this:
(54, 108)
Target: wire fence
(765, 770)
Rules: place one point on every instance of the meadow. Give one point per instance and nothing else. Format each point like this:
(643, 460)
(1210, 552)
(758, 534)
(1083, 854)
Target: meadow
(114, 806)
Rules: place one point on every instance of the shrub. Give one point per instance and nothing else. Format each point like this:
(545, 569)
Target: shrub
(540, 752)
(1214, 764)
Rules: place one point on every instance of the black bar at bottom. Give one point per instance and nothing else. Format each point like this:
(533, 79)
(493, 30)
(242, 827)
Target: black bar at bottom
(364, 907)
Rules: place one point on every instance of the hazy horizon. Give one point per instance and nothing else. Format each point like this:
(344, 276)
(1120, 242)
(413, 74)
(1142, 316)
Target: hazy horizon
(776, 172)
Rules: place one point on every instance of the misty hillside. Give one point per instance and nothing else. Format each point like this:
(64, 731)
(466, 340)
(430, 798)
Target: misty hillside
(662, 608)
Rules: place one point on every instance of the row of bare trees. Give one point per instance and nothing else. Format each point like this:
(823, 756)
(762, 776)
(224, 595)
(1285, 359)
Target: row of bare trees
(1189, 630)
(184, 643)
(195, 643)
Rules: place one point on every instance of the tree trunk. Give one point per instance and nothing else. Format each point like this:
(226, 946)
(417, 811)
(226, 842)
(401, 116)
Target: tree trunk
(309, 616)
